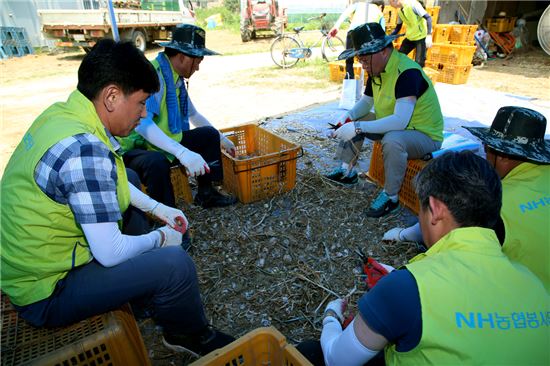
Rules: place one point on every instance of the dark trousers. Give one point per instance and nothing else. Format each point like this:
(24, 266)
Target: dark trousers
(153, 167)
(350, 73)
(420, 46)
(164, 280)
(314, 353)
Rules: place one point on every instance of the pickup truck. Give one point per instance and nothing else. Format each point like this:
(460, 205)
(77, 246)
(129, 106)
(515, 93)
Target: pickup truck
(84, 27)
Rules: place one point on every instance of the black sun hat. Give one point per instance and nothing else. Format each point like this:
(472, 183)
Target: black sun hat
(516, 131)
(367, 39)
(190, 40)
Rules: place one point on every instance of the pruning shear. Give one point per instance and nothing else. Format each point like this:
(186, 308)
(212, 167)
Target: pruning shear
(181, 225)
(336, 126)
(374, 270)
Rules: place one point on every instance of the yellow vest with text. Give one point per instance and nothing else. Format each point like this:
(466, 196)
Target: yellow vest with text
(135, 140)
(526, 215)
(416, 26)
(40, 239)
(427, 116)
(477, 306)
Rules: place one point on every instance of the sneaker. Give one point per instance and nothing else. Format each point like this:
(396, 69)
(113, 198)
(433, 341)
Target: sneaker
(338, 176)
(199, 345)
(214, 199)
(382, 205)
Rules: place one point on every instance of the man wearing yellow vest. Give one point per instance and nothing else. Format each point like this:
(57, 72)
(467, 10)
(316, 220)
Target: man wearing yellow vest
(163, 137)
(359, 12)
(516, 148)
(418, 34)
(408, 120)
(462, 302)
(74, 239)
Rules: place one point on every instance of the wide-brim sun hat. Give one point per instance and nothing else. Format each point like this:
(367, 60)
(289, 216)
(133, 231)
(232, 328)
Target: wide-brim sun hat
(190, 40)
(367, 39)
(516, 131)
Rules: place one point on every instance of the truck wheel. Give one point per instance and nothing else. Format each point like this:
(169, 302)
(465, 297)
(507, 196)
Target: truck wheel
(246, 35)
(139, 40)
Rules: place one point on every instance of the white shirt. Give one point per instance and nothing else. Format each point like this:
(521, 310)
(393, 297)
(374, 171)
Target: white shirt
(363, 12)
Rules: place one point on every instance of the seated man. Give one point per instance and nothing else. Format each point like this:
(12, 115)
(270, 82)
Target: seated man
(65, 192)
(516, 148)
(408, 116)
(461, 302)
(163, 137)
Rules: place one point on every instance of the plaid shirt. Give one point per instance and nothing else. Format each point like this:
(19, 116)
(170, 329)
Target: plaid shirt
(80, 171)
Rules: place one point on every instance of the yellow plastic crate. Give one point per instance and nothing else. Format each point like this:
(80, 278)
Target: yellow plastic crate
(390, 16)
(450, 54)
(432, 74)
(434, 13)
(407, 194)
(262, 346)
(337, 71)
(265, 164)
(180, 184)
(463, 34)
(451, 74)
(112, 338)
(500, 24)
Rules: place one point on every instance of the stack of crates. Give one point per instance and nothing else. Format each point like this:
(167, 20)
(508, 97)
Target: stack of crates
(452, 52)
(337, 71)
(500, 24)
(14, 42)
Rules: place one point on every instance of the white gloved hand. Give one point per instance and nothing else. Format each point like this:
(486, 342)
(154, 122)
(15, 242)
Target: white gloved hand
(194, 163)
(393, 234)
(429, 41)
(171, 216)
(228, 145)
(169, 237)
(337, 306)
(346, 132)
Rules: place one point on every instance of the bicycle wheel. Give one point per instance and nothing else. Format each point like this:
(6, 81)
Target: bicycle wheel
(332, 47)
(280, 51)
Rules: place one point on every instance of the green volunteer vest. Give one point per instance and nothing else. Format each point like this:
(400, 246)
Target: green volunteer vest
(478, 307)
(39, 236)
(427, 116)
(526, 215)
(416, 26)
(135, 140)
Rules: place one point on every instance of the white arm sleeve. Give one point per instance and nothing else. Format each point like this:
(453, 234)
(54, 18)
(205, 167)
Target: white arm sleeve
(110, 247)
(346, 14)
(152, 133)
(402, 113)
(140, 200)
(197, 119)
(361, 108)
(343, 347)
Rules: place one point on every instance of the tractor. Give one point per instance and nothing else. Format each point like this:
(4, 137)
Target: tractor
(261, 16)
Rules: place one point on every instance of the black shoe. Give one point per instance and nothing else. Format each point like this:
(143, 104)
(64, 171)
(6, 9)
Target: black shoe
(197, 345)
(382, 205)
(214, 199)
(186, 241)
(338, 176)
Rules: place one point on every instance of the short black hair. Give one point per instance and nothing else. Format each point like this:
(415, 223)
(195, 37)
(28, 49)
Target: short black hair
(466, 183)
(119, 63)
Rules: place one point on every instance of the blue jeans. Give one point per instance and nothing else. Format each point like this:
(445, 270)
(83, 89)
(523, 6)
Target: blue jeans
(164, 279)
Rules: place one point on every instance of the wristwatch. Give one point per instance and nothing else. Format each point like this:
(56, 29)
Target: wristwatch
(358, 129)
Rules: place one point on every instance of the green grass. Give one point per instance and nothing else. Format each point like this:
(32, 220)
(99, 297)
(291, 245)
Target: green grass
(231, 20)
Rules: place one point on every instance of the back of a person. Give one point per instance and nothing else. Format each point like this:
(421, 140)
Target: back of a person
(478, 307)
(526, 216)
(365, 12)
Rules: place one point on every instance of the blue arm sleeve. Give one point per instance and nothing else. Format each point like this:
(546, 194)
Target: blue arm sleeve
(392, 309)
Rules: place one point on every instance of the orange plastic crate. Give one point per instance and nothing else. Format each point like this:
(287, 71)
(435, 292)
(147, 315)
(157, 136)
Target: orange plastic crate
(451, 74)
(407, 194)
(337, 71)
(265, 164)
(262, 346)
(440, 33)
(434, 13)
(390, 16)
(463, 34)
(112, 338)
(450, 54)
(500, 24)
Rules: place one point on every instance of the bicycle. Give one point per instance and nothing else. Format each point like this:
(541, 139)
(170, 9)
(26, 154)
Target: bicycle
(287, 49)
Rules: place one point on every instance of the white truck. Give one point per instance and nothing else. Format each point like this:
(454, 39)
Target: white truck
(84, 27)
